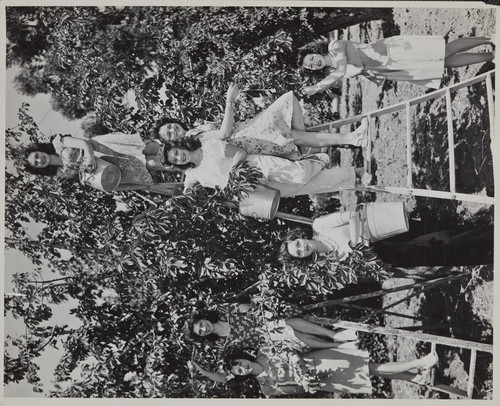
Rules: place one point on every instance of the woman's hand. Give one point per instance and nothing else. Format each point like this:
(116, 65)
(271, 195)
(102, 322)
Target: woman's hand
(195, 366)
(355, 228)
(90, 162)
(232, 93)
(309, 90)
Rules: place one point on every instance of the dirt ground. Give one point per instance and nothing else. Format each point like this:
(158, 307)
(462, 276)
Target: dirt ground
(460, 310)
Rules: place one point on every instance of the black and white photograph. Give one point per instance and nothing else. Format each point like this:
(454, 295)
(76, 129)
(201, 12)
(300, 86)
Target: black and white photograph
(238, 200)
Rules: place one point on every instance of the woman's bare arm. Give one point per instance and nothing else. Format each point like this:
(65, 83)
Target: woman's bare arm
(340, 57)
(238, 154)
(88, 151)
(226, 127)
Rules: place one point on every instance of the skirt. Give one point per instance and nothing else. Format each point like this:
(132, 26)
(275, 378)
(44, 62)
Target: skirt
(269, 133)
(341, 370)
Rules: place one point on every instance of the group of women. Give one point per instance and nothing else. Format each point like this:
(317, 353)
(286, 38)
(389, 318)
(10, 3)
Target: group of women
(271, 143)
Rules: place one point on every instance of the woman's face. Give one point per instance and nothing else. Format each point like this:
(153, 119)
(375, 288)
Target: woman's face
(203, 328)
(171, 132)
(38, 159)
(314, 62)
(242, 367)
(178, 156)
(301, 248)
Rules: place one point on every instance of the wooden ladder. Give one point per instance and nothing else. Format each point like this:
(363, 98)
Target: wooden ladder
(434, 340)
(446, 92)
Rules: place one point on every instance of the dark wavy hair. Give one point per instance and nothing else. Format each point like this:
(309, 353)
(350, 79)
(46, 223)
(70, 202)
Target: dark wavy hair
(46, 147)
(161, 122)
(234, 354)
(284, 256)
(241, 386)
(315, 47)
(187, 143)
(212, 316)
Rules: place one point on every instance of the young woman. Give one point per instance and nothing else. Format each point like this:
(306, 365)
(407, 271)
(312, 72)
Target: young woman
(277, 131)
(417, 59)
(65, 155)
(211, 162)
(419, 247)
(333, 370)
(234, 324)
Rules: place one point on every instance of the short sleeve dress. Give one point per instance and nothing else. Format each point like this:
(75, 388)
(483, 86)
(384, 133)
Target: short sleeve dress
(417, 59)
(329, 232)
(339, 370)
(125, 151)
(306, 176)
(72, 159)
(248, 331)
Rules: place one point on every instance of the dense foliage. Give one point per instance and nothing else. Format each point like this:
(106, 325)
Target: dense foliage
(138, 265)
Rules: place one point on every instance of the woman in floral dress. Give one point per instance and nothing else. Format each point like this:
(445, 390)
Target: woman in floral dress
(237, 324)
(277, 131)
(285, 372)
(65, 156)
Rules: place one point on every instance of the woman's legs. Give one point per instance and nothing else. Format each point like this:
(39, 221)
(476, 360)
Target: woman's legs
(464, 44)
(308, 327)
(322, 139)
(464, 59)
(407, 370)
(315, 342)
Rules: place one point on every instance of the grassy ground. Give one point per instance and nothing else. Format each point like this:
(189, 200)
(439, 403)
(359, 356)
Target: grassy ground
(461, 310)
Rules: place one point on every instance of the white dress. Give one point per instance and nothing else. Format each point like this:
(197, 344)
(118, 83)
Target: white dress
(329, 232)
(289, 177)
(418, 59)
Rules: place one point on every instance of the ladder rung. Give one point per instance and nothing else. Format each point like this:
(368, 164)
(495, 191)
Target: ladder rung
(451, 140)
(472, 372)
(369, 146)
(433, 370)
(491, 105)
(439, 194)
(449, 390)
(409, 181)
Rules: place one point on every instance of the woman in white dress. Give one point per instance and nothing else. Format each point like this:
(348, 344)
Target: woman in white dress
(417, 59)
(422, 245)
(285, 372)
(211, 162)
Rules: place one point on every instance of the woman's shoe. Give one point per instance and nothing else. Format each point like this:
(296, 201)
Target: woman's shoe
(423, 377)
(430, 360)
(349, 345)
(366, 179)
(345, 335)
(361, 134)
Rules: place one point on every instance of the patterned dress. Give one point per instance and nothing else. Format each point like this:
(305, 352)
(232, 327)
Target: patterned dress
(269, 133)
(72, 159)
(125, 151)
(338, 370)
(247, 330)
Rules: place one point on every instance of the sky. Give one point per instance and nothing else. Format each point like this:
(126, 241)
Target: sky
(50, 122)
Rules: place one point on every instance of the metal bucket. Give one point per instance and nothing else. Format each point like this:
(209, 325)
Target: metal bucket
(386, 219)
(263, 203)
(106, 176)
